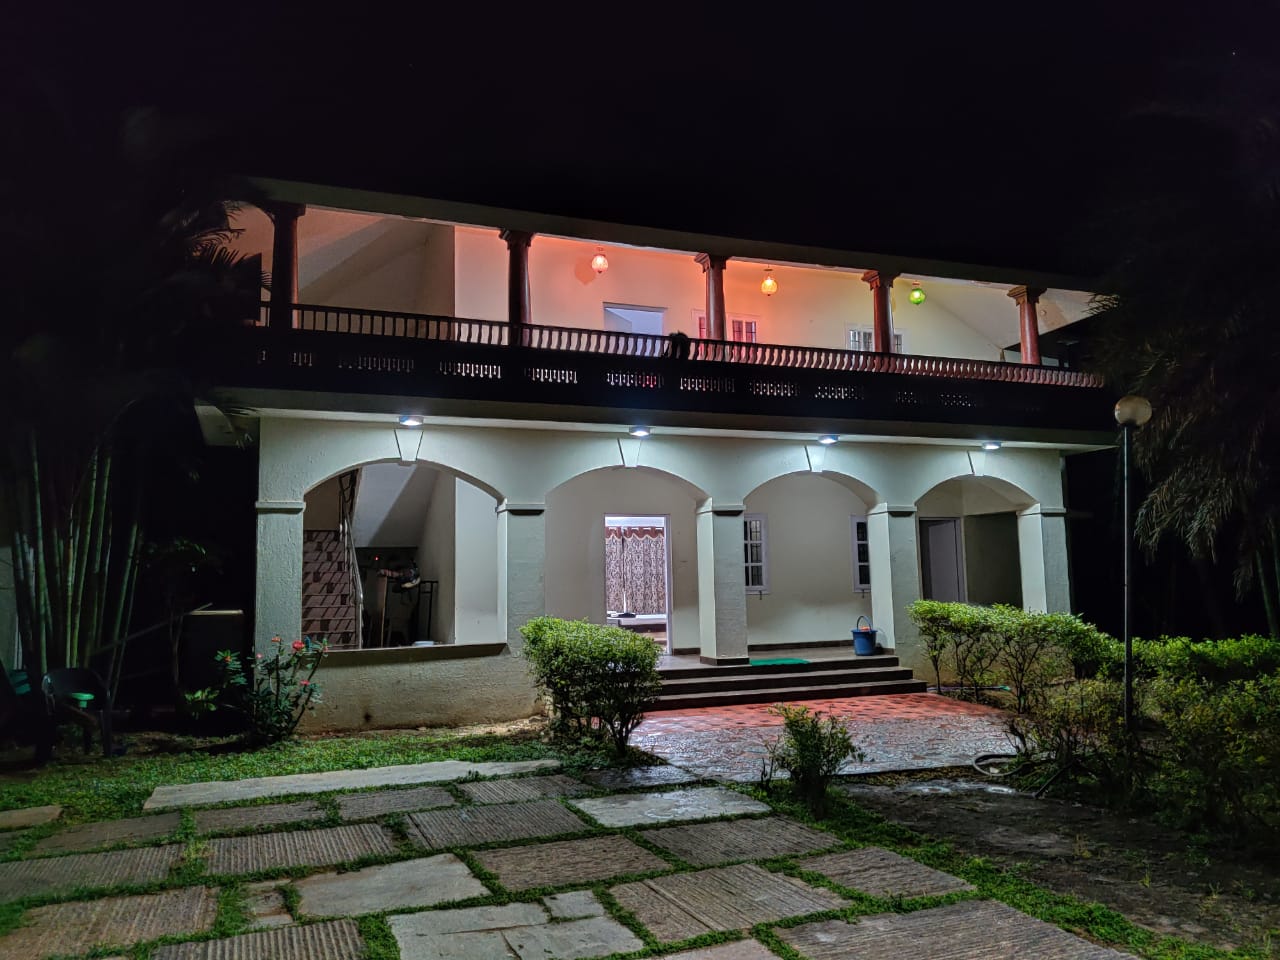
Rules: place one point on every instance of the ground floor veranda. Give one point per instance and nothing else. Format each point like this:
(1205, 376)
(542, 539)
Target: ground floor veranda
(511, 522)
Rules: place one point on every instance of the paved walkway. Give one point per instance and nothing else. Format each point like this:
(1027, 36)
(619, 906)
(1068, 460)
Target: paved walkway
(907, 731)
(511, 868)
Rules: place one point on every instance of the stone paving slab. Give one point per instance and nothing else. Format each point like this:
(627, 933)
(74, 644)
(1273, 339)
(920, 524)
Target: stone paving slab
(297, 848)
(90, 836)
(11, 839)
(882, 873)
(229, 819)
(518, 930)
(974, 930)
(574, 905)
(334, 940)
(366, 806)
(230, 791)
(708, 844)
(741, 950)
(634, 777)
(33, 878)
(266, 904)
(468, 826)
(29, 816)
(568, 861)
(727, 898)
(411, 883)
(523, 789)
(65, 928)
(638, 809)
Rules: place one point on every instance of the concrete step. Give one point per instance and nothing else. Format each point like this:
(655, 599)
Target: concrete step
(691, 670)
(686, 701)
(781, 681)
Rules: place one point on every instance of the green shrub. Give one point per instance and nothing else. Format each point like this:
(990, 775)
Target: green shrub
(598, 680)
(1029, 652)
(812, 749)
(272, 692)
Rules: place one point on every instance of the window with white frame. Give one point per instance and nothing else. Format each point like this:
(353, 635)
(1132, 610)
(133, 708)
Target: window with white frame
(742, 329)
(755, 552)
(861, 554)
(863, 338)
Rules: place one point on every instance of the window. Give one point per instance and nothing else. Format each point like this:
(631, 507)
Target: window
(742, 329)
(755, 552)
(861, 554)
(862, 338)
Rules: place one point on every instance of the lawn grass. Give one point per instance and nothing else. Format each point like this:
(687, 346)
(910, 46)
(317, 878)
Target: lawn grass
(105, 789)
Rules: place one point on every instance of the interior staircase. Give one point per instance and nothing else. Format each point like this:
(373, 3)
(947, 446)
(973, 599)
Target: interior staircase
(686, 685)
(328, 604)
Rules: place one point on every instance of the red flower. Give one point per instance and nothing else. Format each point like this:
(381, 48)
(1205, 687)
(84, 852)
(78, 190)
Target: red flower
(304, 683)
(298, 644)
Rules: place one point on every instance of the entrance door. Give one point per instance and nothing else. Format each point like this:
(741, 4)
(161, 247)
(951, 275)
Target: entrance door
(637, 575)
(942, 559)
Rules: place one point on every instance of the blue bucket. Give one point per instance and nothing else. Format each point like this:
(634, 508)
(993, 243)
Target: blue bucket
(864, 638)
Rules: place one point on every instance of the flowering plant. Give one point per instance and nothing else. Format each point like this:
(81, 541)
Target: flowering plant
(272, 691)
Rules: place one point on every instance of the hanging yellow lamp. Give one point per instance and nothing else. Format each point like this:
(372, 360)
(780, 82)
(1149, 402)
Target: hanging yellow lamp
(768, 286)
(599, 263)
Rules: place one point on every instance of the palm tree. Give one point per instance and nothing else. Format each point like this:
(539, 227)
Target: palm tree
(1191, 322)
(118, 279)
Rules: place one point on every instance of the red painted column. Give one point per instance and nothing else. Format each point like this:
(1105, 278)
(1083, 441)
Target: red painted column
(284, 261)
(1028, 321)
(713, 267)
(882, 324)
(519, 311)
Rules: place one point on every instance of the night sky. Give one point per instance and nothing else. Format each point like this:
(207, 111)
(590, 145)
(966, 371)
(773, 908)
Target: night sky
(991, 138)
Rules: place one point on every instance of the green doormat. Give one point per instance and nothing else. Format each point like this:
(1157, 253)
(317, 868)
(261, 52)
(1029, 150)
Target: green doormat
(766, 663)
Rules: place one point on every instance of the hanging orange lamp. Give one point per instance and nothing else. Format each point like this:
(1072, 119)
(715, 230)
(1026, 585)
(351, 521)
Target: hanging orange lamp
(768, 286)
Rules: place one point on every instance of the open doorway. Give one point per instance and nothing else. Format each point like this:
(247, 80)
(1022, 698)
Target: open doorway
(637, 575)
(942, 559)
(626, 318)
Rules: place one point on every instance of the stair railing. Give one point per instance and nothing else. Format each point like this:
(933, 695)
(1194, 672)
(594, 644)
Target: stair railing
(347, 484)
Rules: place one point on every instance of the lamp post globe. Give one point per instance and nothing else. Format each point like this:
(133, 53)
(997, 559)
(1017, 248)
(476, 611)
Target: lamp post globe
(1133, 411)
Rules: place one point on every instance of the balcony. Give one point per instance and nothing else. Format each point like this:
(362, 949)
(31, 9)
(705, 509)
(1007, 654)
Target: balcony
(470, 367)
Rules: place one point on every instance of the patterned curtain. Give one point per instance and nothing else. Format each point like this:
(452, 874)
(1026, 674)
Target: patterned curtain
(635, 569)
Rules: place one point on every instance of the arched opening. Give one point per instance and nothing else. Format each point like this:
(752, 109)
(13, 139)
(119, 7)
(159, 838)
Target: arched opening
(968, 536)
(808, 534)
(398, 555)
(625, 537)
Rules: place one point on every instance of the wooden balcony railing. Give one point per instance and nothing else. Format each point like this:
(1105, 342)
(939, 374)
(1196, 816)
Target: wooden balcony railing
(410, 326)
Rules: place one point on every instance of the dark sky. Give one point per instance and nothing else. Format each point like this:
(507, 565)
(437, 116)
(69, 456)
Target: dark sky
(986, 133)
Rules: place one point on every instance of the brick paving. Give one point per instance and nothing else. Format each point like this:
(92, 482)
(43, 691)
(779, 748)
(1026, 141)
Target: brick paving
(907, 731)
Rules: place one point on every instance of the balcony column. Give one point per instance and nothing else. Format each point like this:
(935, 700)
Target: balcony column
(278, 575)
(1042, 555)
(881, 284)
(284, 261)
(1027, 298)
(895, 578)
(519, 311)
(713, 267)
(522, 553)
(722, 592)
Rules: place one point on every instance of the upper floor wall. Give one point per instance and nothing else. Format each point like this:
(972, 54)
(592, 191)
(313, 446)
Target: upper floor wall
(381, 262)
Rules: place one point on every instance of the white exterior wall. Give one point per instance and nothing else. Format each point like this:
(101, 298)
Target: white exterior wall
(475, 591)
(553, 561)
(436, 555)
(810, 562)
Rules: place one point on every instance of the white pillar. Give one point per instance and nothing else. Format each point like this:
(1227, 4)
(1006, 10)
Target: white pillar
(895, 575)
(278, 594)
(522, 552)
(722, 592)
(1042, 553)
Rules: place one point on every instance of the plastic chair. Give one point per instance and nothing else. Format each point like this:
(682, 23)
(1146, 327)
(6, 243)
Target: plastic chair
(77, 694)
(22, 713)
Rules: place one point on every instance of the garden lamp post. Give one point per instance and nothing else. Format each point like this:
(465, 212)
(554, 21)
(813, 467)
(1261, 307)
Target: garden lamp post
(1131, 411)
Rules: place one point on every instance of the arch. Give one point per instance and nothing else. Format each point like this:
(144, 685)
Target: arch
(443, 468)
(688, 486)
(979, 494)
(858, 488)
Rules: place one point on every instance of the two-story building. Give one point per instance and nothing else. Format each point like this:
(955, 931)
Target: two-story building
(738, 447)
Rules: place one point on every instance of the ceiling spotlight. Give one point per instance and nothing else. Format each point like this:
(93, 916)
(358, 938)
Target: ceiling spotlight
(768, 286)
(916, 296)
(827, 439)
(412, 420)
(638, 431)
(990, 444)
(599, 263)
